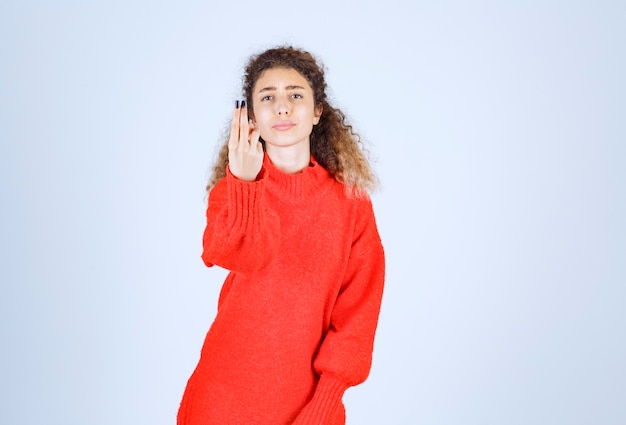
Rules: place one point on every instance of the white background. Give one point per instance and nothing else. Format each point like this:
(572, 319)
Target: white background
(498, 130)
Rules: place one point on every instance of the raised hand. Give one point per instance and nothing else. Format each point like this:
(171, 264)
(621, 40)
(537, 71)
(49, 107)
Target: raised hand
(245, 151)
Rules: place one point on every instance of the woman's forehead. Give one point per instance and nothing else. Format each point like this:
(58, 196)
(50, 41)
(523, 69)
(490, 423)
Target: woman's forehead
(274, 78)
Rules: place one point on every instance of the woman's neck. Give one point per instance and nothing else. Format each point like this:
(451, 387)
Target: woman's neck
(291, 160)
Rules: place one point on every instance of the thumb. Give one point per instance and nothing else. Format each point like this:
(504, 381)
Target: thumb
(253, 133)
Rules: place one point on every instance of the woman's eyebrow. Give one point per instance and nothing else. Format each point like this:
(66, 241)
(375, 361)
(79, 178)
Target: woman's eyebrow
(287, 88)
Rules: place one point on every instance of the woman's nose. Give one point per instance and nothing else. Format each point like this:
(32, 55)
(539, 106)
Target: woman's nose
(282, 107)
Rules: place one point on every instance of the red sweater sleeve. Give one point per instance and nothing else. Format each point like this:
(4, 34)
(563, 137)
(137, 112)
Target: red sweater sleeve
(242, 231)
(345, 354)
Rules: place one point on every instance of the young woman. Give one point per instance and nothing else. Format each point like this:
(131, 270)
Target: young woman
(289, 216)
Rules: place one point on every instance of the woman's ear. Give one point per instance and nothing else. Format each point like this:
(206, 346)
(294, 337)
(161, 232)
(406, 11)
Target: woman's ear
(317, 114)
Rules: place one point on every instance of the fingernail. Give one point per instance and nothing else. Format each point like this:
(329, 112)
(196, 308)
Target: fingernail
(243, 103)
(236, 104)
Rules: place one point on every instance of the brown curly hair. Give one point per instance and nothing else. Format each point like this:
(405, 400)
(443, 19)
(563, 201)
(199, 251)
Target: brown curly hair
(334, 143)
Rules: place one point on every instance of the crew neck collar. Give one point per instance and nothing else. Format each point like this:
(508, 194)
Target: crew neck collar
(311, 181)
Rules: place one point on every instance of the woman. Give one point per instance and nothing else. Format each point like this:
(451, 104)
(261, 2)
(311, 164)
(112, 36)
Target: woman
(289, 216)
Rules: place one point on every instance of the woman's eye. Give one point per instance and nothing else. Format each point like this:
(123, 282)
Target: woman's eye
(266, 98)
(296, 96)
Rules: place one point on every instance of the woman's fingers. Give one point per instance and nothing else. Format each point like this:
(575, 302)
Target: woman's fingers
(244, 127)
(245, 151)
(239, 127)
(233, 139)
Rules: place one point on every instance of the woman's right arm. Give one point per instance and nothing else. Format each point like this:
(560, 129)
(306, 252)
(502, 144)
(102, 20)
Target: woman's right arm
(242, 232)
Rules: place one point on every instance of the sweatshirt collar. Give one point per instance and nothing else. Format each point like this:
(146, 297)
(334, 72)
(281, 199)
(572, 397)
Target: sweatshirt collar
(313, 180)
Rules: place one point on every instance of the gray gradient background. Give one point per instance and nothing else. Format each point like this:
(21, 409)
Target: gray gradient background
(498, 130)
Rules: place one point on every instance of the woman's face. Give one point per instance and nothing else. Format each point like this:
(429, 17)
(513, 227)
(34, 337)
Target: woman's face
(284, 108)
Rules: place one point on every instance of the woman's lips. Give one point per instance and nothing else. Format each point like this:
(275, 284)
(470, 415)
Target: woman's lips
(283, 125)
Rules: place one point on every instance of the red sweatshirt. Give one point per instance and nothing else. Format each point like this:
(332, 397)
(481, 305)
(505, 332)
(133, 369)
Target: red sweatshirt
(298, 311)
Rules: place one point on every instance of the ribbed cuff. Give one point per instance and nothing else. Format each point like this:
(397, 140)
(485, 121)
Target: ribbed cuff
(325, 403)
(244, 198)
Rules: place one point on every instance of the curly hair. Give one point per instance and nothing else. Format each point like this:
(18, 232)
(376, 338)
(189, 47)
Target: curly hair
(334, 143)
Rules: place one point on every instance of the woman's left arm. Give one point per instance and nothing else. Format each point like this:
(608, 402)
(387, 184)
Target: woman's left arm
(345, 355)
